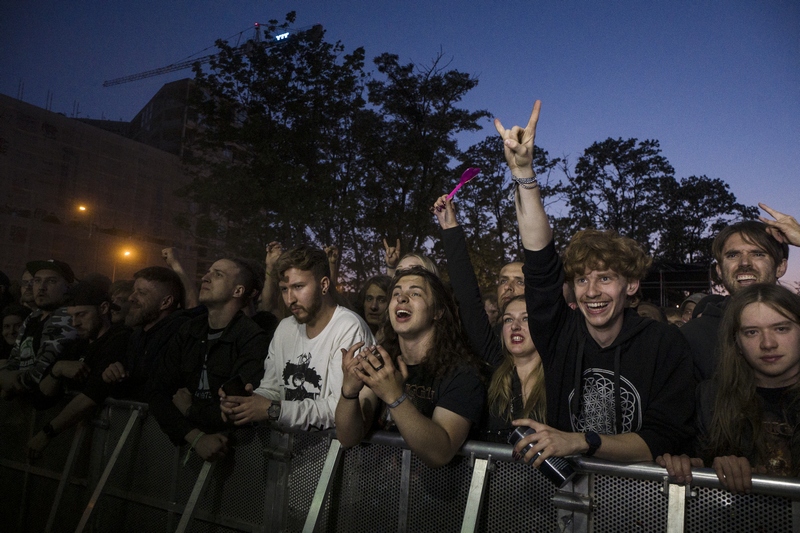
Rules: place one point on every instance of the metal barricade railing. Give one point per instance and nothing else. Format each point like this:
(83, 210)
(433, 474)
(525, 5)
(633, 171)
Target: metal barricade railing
(128, 477)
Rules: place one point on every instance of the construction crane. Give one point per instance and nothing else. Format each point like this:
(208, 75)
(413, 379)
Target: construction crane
(188, 63)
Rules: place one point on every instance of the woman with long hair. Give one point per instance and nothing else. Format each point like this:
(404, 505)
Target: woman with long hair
(421, 381)
(748, 413)
(517, 387)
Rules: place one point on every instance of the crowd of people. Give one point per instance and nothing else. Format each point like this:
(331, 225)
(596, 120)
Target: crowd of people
(565, 347)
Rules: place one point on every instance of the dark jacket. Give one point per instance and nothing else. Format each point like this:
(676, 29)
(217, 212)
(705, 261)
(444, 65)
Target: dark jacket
(240, 350)
(144, 349)
(641, 383)
(702, 333)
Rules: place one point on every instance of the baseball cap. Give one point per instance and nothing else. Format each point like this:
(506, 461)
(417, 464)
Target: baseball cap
(51, 264)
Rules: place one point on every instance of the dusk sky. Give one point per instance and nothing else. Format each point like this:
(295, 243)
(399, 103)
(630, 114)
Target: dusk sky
(717, 83)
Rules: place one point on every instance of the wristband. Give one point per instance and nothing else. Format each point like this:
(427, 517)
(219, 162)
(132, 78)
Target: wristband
(398, 401)
(346, 397)
(524, 181)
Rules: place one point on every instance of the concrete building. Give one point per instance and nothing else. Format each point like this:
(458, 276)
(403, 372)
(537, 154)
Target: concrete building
(75, 191)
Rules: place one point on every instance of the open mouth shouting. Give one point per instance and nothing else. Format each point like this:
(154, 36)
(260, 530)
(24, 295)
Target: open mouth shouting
(402, 315)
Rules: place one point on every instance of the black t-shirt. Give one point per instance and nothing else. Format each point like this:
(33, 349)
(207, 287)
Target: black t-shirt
(461, 391)
(777, 431)
(494, 428)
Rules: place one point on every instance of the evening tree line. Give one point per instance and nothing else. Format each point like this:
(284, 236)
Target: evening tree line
(303, 142)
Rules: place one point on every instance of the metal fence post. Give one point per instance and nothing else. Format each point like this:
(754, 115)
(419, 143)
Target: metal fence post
(324, 485)
(135, 414)
(477, 488)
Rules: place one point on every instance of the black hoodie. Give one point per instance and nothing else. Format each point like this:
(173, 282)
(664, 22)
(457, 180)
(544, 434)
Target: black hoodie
(642, 383)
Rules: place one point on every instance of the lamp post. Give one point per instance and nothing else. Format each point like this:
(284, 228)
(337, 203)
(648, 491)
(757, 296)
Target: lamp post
(125, 254)
(83, 210)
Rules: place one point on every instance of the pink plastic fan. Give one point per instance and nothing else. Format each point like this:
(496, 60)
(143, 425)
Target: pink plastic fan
(465, 177)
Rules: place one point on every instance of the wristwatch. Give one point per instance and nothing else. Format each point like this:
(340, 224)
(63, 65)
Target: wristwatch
(274, 411)
(594, 442)
(49, 431)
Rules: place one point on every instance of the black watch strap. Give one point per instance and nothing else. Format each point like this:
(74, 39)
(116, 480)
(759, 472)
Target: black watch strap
(594, 442)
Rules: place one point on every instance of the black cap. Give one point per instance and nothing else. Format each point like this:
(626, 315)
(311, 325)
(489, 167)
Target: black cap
(86, 293)
(51, 264)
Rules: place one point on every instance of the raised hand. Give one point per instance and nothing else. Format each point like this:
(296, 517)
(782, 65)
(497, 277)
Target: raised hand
(445, 212)
(274, 251)
(518, 144)
(392, 254)
(784, 228)
(170, 257)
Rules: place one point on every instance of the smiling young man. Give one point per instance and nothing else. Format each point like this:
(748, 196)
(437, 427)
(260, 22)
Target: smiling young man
(303, 369)
(746, 253)
(619, 386)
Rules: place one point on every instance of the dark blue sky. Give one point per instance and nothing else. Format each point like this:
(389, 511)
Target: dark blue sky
(717, 83)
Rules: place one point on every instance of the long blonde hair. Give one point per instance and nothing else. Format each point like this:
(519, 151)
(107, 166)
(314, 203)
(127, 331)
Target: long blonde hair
(736, 424)
(499, 394)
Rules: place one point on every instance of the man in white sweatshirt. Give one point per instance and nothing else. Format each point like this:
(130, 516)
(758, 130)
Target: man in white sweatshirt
(303, 369)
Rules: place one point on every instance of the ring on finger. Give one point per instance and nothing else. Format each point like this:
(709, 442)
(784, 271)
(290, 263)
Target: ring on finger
(377, 368)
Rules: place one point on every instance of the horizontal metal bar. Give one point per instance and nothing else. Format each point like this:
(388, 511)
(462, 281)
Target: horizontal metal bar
(701, 477)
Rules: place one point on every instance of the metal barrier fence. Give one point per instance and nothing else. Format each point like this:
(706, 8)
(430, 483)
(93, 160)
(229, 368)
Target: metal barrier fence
(121, 474)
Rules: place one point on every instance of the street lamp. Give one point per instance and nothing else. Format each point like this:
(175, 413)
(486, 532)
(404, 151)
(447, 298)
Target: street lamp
(84, 210)
(124, 255)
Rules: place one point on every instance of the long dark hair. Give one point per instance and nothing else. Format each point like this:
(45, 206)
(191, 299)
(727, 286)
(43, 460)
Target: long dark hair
(499, 394)
(450, 347)
(736, 425)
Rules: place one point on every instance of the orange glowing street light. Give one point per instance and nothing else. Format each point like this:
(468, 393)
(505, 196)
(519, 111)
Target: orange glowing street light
(125, 254)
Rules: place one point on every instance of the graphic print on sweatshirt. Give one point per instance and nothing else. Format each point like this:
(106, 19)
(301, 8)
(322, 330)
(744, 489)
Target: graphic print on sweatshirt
(300, 381)
(597, 404)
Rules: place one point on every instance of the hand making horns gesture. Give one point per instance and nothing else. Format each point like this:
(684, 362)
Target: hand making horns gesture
(518, 144)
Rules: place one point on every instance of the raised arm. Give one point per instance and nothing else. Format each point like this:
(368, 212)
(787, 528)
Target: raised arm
(465, 285)
(270, 295)
(190, 287)
(534, 229)
(333, 263)
(392, 256)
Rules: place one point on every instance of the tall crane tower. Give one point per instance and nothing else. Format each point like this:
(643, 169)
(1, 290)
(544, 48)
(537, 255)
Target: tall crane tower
(285, 34)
